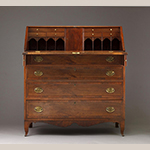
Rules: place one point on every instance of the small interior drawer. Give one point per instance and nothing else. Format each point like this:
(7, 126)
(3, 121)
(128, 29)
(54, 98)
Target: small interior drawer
(37, 34)
(46, 29)
(57, 34)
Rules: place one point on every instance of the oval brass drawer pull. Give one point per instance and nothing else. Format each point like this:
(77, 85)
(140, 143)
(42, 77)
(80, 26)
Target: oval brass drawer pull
(38, 90)
(110, 73)
(38, 109)
(38, 59)
(110, 109)
(110, 90)
(38, 73)
(110, 59)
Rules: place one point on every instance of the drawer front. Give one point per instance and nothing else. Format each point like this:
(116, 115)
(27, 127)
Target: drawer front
(74, 72)
(113, 34)
(75, 59)
(38, 34)
(46, 29)
(73, 109)
(74, 89)
(101, 30)
(56, 34)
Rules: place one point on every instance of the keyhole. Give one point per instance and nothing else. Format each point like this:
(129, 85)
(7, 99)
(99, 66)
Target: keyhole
(74, 84)
(74, 102)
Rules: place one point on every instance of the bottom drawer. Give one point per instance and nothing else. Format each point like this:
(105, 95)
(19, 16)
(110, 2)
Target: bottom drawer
(73, 109)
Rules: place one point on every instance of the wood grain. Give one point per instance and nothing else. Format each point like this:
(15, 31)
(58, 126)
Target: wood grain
(73, 110)
(76, 60)
(74, 89)
(74, 39)
(74, 85)
(74, 72)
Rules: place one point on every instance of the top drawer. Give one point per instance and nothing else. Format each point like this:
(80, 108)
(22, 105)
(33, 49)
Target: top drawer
(75, 59)
(44, 29)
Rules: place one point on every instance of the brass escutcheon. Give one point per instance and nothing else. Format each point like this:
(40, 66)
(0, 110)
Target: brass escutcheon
(38, 73)
(110, 109)
(110, 90)
(110, 73)
(38, 59)
(38, 109)
(75, 52)
(110, 59)
(38, 90)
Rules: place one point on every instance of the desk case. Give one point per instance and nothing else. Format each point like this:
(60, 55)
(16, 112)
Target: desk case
(74, 74)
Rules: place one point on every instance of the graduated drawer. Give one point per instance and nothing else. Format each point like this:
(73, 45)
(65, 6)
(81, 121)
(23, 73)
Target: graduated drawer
(73, 109)
(74, 89)
(74, 72)
(75, 59)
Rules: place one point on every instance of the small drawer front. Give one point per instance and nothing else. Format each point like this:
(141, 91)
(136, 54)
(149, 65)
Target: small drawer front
(72, 72)
(74, 89)
(93, 34)
(88, 34)
(101, 30)
(75, 59)
(46, 29)
(56, 34)
(73, 109)
(37, 29)
(37, 34)
(108, 34)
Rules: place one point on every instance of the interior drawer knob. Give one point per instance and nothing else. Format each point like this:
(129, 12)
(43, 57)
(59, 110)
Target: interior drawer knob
(38, 109)
(110, 109)
(110, 73)
(38, 59)
(38, 90)
(38, 73)
(110, 59)
(110, 90)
